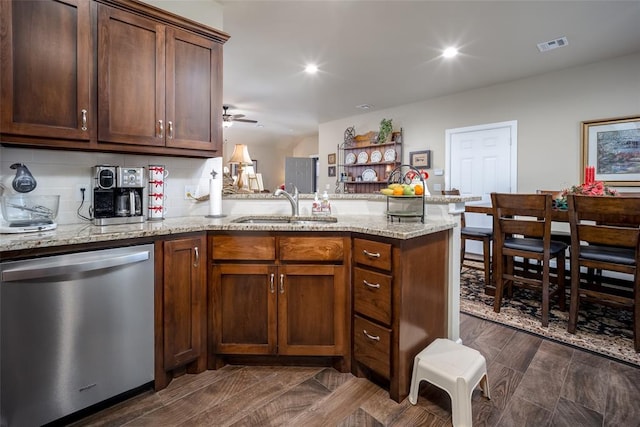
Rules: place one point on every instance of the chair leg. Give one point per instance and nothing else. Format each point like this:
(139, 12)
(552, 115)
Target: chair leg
(636, 315)
(486, 248)
(463, 250)
(574, 299)
(497, 277)
(545, 294)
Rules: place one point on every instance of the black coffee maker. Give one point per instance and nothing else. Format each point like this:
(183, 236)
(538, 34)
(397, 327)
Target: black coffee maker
(117, 195)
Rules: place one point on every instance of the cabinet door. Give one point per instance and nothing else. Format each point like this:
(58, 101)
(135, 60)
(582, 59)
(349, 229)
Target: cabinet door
(131, 76)
(311, 310)
(193, 92)
(184, 311)
(244, 307)
(46, 69)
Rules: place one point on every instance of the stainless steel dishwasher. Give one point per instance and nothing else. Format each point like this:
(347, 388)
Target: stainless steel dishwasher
(76, 329)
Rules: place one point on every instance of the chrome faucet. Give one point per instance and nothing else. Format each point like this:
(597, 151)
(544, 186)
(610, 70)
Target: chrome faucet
(293, 199)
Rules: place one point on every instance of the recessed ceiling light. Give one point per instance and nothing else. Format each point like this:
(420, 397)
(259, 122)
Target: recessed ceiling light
(311, 69)
(364, 106)
(450, 52)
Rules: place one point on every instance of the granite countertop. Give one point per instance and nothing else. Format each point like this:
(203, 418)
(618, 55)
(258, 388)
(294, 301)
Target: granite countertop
(72, 234)
(435, 199)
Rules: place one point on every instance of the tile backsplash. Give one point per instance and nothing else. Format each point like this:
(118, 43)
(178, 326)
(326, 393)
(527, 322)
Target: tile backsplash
(63, 172)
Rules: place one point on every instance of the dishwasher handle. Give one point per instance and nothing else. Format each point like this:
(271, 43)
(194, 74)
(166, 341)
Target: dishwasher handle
(26, 273)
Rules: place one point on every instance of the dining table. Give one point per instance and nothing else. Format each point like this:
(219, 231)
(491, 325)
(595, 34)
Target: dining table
(559, 215)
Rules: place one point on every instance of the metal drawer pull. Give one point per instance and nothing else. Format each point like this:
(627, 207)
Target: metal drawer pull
(371, 285)
(371, 337)
(271, 286)
(84, 119)
(197, 261)
(371, 254)
(161, 127)
(282, 283)
(170, 129)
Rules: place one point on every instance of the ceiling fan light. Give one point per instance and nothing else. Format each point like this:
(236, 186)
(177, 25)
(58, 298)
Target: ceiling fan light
(227, 123)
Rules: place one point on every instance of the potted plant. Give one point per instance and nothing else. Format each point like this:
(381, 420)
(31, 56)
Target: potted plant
(386, 128)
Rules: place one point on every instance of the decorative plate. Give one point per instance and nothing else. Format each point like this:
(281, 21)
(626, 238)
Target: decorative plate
(369, 175)
(376, 156)
(390, 155)
(363, 157)
(350, 159)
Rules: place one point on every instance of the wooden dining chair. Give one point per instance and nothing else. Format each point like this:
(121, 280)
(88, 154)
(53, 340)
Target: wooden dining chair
(605, 235)
(480, 234)
(522, 228)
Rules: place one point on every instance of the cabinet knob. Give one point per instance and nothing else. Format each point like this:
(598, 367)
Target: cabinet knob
(84, 120)
(160, 129)
(170, 129)
(197, 254)
(371, 254)
(282, 283)
(371, 285)
(371, 337)
(272, 288)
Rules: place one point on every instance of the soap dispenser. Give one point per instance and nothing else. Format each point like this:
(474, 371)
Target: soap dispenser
(316, 208)
(325, 205)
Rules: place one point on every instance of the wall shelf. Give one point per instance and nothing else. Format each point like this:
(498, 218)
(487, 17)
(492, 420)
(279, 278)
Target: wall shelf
(365, 167)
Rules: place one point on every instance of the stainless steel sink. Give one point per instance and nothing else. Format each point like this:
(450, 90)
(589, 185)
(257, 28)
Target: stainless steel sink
(298, 220)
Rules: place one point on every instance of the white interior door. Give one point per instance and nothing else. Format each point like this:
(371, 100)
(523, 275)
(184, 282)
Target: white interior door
(482, 159)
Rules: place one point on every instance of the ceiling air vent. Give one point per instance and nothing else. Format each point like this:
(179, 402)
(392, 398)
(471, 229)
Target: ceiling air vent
(553, 44)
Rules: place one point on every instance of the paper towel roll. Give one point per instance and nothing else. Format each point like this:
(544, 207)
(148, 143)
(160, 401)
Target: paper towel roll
(215, 197)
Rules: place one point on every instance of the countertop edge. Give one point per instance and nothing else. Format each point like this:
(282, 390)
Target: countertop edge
(76, 234)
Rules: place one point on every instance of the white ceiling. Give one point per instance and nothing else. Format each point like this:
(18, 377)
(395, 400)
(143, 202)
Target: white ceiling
(387, 53)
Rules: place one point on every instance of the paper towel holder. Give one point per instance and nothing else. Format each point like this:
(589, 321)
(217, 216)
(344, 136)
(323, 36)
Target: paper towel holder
(213, 176)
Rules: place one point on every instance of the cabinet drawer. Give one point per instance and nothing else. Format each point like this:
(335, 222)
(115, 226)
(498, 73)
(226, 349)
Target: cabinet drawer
(371, 345)
(372, 294)
(245, 248)
(311, 249)
(374, 254)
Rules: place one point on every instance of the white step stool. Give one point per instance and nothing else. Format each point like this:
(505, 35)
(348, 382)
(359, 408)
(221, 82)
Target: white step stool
(454, 368)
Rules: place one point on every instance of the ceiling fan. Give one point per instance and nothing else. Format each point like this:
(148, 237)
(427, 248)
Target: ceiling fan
(228, 119)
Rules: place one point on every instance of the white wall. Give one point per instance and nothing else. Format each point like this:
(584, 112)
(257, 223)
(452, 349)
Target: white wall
(306, 147)
(207, 12)
(549, 109)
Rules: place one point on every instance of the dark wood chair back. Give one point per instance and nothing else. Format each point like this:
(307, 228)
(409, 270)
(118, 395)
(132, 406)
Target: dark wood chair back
(523, 214)
(605, 234)
(522, 228)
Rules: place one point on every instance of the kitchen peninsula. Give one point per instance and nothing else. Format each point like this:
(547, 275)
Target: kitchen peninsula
(384, 290)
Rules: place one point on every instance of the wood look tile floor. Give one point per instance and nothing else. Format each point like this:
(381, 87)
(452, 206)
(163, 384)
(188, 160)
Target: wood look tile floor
(534, 382)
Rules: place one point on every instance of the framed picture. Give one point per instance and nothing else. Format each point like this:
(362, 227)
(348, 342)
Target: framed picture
(255, 166)
(612, 146)
(332, 171)
(331, 159)
(420, 159)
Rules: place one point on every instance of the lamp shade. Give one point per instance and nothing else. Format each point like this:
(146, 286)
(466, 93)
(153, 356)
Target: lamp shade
(240, 155)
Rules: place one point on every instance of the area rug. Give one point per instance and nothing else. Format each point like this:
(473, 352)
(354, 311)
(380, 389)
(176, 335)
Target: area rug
(601, 329)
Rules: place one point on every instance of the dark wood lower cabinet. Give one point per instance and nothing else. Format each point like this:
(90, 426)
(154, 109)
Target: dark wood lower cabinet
(260, 305)
(180, 307)
(400, 305)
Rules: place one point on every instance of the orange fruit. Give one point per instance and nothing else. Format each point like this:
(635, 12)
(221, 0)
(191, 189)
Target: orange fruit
(418, 190)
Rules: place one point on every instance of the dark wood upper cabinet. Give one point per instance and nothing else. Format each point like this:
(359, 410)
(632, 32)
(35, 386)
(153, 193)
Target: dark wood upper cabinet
(157, 85)
(47, 70)
(193, 91)
(109, 75)
(131, 73)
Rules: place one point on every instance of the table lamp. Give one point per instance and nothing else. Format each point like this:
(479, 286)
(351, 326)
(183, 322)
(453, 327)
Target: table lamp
(240, 157)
